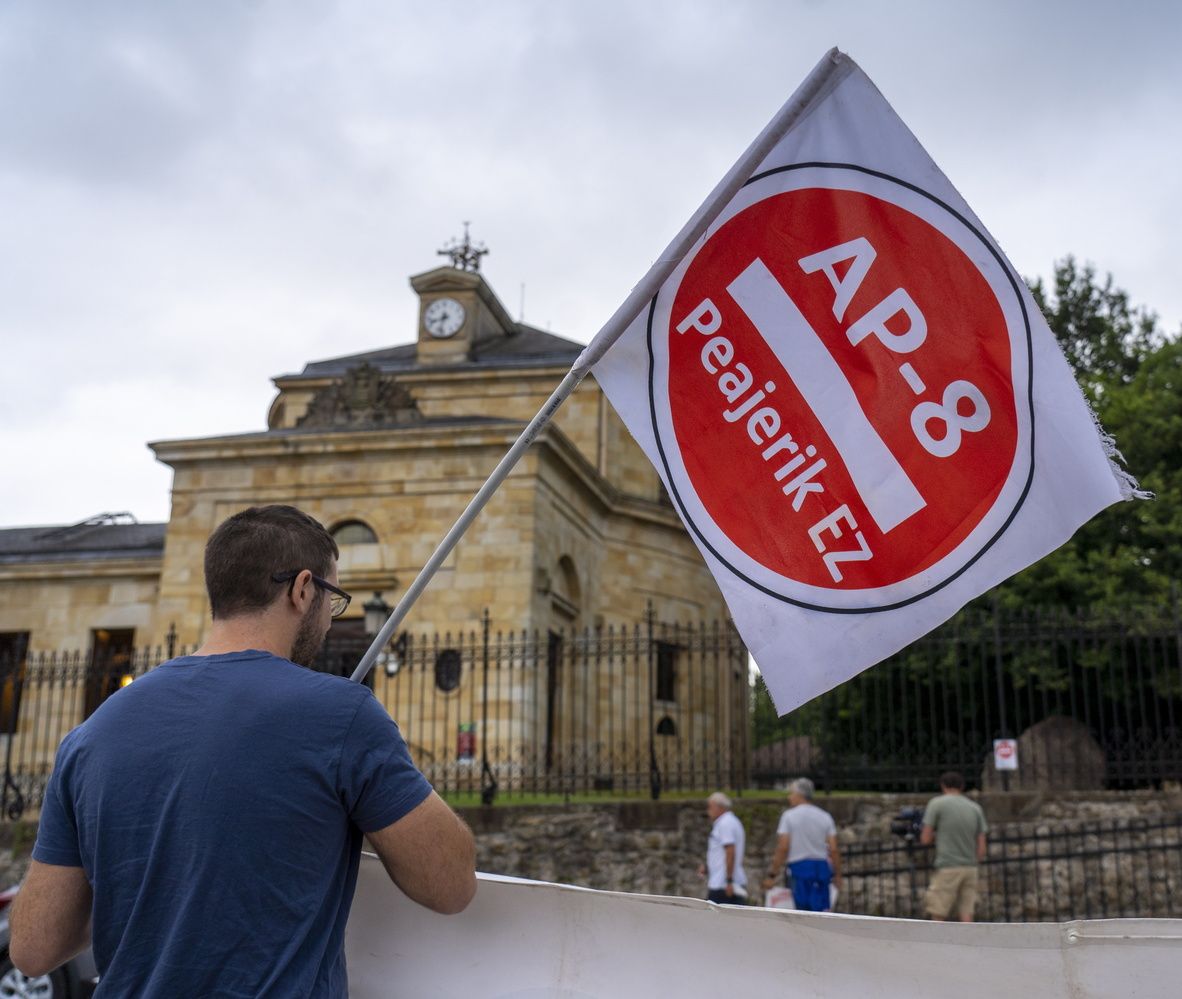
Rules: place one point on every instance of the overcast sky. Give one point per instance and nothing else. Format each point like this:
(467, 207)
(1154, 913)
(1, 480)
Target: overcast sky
(195, 198)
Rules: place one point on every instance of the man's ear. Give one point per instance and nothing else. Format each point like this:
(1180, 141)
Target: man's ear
(303, 592)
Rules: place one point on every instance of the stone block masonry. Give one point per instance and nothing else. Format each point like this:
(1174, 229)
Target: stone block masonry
(656, 847)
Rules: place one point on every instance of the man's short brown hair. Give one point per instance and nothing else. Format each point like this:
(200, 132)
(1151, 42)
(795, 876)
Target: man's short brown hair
(250, 547)
(952, 779)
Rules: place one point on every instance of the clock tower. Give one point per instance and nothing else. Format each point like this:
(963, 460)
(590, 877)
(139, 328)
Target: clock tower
(458, 311)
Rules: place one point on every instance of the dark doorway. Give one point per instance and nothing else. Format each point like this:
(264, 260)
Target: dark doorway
(553, 664)
(666, 671)
(346, 643)
(13, 646)
(110, 664)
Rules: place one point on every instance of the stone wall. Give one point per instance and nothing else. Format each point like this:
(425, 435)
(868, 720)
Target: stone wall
(656, 847)
(60, 604)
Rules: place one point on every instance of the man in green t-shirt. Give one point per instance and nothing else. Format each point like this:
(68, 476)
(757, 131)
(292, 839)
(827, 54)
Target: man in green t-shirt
(957, 826)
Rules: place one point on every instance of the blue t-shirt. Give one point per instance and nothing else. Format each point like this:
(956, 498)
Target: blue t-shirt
(217, 806)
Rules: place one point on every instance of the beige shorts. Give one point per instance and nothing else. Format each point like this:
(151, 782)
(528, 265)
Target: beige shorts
(952, 890)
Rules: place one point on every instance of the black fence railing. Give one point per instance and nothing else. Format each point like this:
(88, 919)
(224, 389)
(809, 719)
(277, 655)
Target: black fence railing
(644, 708)
(491, 714)
(1076, 869)
(43, 695)
(1094, 700)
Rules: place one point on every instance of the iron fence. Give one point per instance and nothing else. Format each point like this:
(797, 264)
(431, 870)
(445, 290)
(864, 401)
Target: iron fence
(489, 713)
(43, 695)
(642, 708)
(1093, 699)
(1082, 869)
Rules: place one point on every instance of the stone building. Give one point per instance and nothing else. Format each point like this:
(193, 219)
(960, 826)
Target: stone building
(386, 448)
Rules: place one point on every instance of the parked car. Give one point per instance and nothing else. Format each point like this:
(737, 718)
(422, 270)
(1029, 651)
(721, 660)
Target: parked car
(76, 979)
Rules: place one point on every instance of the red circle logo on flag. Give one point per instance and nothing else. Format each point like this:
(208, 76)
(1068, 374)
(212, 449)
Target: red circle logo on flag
(841, 389)
(1005, 750)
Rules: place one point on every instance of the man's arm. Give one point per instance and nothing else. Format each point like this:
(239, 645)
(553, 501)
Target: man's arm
(931, 818)
(431, 855)
(729, 850)
(50, 920)
(778, 858)
(834, 859)
(980, 847)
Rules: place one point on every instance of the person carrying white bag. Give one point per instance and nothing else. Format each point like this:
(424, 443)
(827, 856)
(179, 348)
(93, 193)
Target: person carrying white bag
(807, 856)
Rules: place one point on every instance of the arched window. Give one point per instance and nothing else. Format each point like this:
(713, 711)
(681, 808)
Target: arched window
(565, 593)
(448, 666)
(354, 532)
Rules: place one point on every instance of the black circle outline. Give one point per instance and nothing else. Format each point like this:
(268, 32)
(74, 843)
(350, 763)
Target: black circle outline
(1030, 401)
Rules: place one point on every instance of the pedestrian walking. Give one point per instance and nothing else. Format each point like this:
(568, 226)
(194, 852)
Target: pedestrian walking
(726, 879)
(807, 858)
(957, 827)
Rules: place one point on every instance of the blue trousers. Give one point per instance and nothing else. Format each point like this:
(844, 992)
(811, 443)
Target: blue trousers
(810, 884)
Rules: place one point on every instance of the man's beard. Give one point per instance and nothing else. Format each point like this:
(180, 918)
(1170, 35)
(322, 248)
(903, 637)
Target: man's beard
(309, 639)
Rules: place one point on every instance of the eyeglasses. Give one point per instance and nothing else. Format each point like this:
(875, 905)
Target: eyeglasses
(338, 599)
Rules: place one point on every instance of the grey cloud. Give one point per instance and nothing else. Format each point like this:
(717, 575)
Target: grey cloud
(114, 93)
(215, 192)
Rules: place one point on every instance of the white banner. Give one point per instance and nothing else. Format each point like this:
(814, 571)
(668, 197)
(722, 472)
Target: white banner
(528, 940)
(853, 400)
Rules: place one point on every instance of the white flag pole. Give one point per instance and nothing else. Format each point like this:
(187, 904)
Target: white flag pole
(832, 66)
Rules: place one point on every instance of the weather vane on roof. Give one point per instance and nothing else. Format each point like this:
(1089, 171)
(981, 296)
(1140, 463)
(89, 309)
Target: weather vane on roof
(464, 256)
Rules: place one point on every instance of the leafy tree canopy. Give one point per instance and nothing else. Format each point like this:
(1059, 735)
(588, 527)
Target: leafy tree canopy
(1128, 556)
(1131, 373)
(1104, 337)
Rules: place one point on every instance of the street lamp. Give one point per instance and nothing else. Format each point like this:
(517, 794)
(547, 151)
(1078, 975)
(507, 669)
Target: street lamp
(376, 611)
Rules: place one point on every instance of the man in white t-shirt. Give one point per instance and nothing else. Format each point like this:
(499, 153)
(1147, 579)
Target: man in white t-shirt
(726, 880)
(806, 839)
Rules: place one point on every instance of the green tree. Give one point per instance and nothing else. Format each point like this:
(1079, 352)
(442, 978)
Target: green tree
(1124, 558)
(1129, 372)
(1103, 336)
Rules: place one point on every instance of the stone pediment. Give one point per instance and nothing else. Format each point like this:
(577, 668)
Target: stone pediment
(364, 397)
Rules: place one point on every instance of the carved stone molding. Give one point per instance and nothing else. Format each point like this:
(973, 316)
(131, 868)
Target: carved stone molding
(363, 398)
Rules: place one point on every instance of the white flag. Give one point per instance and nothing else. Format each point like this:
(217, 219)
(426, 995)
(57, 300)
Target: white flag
(853, 400)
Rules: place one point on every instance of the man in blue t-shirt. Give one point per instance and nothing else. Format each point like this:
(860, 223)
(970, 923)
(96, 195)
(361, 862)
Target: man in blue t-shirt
(203, 827)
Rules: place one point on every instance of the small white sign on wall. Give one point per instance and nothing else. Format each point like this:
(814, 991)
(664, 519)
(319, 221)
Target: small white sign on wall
(1005, 754)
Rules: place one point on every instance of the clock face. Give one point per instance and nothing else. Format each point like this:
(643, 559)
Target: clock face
(443, 317)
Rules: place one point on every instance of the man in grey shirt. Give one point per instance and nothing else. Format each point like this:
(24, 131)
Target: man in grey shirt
(806, 839)
(957, 826)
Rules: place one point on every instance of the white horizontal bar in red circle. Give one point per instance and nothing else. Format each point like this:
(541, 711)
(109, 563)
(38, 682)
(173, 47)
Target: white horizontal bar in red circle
(886, 489)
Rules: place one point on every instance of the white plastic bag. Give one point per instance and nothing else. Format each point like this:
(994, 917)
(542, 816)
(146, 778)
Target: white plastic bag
(779, 898)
